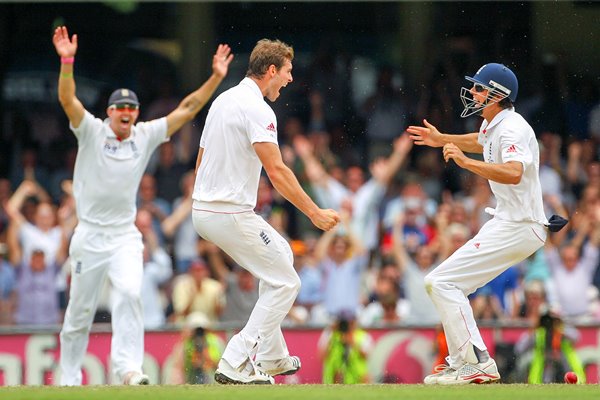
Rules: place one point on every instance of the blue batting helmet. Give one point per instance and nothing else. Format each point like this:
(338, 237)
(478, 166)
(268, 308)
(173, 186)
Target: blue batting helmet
(499, 77)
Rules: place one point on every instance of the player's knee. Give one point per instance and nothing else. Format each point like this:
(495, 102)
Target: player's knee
(129, 297)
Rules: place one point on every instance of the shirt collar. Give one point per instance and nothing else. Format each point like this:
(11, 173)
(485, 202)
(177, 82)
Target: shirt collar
(112, 135)
(499, 117)
(252, 85)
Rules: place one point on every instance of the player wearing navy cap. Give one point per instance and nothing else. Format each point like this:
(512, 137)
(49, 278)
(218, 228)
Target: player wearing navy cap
(518, 228)
(111, 159)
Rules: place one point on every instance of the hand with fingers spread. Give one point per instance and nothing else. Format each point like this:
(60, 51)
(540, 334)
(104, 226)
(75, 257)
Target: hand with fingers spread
(65, 47)
(427, 135)
(452, 152)
(221, 60)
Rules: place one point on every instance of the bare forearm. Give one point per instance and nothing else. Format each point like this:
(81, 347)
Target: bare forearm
(314, 171)
(467, 142)
(66, 85)
(12, 242)
(507, 173)
(399, 249)
(323, 244)
(285, 182)
(394, 163)
(170, 224)
(194, 102)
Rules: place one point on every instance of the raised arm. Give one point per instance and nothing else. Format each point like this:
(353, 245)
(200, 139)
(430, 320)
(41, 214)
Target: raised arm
(322, 245)
(398, 248)
(214, 256)
(314, 170)
(429, 135)
(171, 223)
(15, 252)
(67, 48)
(384, 170)
(356, 244)
(285, 182)
(14, 204)
(193, 103)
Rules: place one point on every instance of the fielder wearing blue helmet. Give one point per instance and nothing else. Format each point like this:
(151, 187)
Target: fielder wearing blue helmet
(497, 79)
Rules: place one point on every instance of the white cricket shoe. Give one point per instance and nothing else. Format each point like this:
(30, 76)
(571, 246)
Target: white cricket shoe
(136, 379)
(288, 365)
(440, 370)
(486, 372)
(245, 374)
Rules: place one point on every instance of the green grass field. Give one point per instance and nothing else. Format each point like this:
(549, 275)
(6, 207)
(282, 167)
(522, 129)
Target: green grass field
(306, 392)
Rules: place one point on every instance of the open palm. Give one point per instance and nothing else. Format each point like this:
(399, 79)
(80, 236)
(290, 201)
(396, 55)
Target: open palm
(221, 60)
(65, 47)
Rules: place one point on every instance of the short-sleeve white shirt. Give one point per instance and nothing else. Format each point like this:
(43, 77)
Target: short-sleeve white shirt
(508, 137)
(33, 238)
(228, 176)
(108, 171)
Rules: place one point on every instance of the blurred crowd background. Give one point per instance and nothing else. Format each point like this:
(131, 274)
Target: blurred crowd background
(358, 83)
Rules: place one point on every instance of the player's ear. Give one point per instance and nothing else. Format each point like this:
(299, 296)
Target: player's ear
(272, 70)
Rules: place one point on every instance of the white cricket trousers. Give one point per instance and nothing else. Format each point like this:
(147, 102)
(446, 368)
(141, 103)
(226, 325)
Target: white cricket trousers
(259, 248)
(498, 246)
(95, 253)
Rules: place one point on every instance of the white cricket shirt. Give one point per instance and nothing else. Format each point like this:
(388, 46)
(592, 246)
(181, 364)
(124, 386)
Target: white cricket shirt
(227, 179)
(508, 137)
(108, 171)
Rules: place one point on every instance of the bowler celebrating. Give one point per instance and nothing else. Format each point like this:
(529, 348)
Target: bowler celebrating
(239, 138)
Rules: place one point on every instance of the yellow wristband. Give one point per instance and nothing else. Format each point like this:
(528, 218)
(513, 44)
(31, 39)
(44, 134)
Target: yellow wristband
(66, 75)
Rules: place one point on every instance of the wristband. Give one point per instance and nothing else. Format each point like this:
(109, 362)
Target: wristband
(66, 75)
(67, 60)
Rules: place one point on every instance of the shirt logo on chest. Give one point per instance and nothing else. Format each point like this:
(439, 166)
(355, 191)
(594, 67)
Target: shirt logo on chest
(110, 148)
(120, 150)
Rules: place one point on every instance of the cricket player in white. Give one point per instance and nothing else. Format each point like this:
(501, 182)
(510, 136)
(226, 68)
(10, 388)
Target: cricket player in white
(239, 138)
(518, 229)
(111, 159)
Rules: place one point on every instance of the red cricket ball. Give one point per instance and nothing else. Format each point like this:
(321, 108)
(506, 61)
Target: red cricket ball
(570, 377)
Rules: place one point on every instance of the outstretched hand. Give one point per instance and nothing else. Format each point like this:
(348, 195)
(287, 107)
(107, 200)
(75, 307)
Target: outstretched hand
(221, 60)
(65, 47)
(427, 135)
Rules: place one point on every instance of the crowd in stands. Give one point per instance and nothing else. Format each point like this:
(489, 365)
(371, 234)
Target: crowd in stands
(403, 212)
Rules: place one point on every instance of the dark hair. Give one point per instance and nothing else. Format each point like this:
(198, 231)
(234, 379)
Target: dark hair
(506, 103)
(266, 53)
